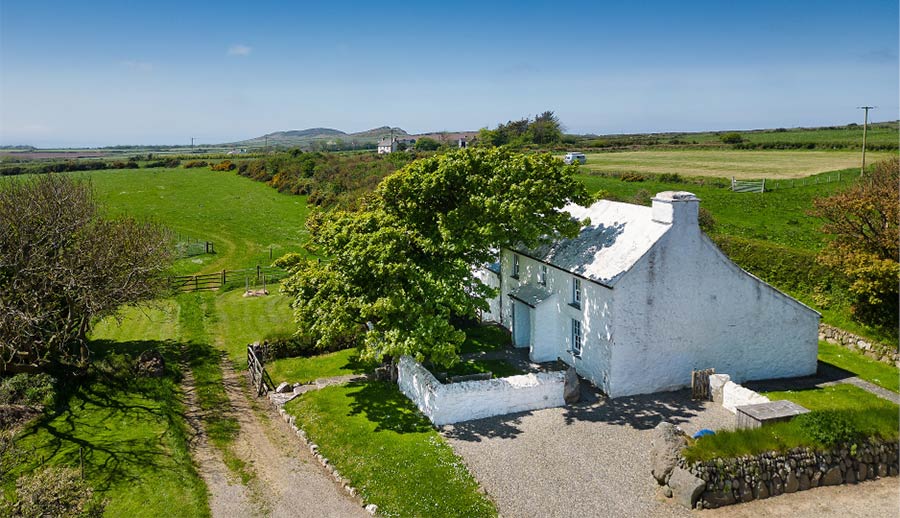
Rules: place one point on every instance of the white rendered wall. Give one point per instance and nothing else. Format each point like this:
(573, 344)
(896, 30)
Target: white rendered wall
(734, 395)
(552, 319)
(492, 280)
(685, 306)
(457, 402)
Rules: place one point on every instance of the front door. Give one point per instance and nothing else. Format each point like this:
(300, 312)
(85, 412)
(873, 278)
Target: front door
(521, 324)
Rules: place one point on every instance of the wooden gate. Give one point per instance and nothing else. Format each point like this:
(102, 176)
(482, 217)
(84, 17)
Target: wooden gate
(700, 384)
(259, 378)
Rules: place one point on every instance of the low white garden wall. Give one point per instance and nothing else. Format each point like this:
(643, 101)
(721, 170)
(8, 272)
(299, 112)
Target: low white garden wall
(732, 395)
(467, 400)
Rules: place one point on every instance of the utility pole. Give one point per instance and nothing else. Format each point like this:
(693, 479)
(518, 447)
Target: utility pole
(267, 144)
(862, 169)
(192, 144)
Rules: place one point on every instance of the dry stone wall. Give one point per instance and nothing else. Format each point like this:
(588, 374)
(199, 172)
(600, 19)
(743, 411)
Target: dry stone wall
(881, 352)
(730, 481)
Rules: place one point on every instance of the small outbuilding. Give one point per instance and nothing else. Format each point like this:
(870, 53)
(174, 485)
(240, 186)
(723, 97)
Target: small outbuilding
(641, 297)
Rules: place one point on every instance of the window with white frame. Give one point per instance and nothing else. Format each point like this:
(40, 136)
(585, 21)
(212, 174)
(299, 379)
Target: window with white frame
(542, 275)
(576, 292)
(577, 338)
(515, 268)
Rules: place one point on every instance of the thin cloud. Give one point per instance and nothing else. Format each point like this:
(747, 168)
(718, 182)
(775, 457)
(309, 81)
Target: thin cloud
(239, 50)
(142, 66)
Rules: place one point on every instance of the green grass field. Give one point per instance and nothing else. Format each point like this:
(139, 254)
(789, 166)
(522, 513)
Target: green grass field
(243, 218)
(243, 320)
(720, 163)
(305, 370)
(876, 372)
(879, 134)
(130, 430)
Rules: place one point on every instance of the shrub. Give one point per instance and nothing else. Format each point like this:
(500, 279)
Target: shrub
(196, 163)
(706, 220)
(828, 427)
(670, 178)
(732, 137)
(292, 346)
(28, 389)
(53, 492)
(633, 177)
(642, 197)
(168, 162)
(226, 165)
(603, 194)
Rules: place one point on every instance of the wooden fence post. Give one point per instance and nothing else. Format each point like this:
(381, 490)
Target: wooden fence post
(223, 278)
(257, 273)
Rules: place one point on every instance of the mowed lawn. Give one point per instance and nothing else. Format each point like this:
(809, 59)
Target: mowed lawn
(741, 164)
(243, 218)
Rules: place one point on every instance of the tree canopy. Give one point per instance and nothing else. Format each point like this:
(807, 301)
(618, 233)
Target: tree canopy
(63, 265)
(544, 129)
(400, 270)
(863, 222)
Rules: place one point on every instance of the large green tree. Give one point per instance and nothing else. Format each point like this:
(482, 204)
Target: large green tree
(401, 268)
(863, 224)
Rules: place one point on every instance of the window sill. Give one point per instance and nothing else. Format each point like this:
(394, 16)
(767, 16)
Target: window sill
(574, 354)
(575, 305)
(516, 277)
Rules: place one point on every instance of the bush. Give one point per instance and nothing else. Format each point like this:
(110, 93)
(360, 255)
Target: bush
(28, 389)
(52, 492)
(633, 177)
(732, 137)
(196, 163)
(706, 220)
(828, 427)
(670, 178)
(168, 162)
(226, 165)
(292, 346)
(642, 197)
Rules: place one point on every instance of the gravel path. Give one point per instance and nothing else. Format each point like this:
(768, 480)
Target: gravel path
(592, 459)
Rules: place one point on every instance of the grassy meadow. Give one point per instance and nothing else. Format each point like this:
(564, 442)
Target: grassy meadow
(241, 217)
(879, 134)
(722, 163)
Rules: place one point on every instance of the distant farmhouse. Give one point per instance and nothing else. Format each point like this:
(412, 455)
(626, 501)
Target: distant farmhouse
(388, 145)
(641, 297)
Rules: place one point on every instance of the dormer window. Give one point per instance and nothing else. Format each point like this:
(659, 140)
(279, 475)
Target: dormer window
(515, 268)
(576, 292)
(542, 275)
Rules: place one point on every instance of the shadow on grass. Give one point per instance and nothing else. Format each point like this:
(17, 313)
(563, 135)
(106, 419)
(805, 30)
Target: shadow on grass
(382, 403)
(826, 374)
(119, 423)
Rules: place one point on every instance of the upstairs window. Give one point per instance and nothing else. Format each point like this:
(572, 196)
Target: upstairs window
(542, 275)
(515, 272)
(576, 292)
(577, 338)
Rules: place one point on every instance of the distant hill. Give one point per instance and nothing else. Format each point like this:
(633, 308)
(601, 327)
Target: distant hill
(323, 136)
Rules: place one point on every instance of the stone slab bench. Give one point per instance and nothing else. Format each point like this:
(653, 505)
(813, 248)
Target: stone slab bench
(754, 416)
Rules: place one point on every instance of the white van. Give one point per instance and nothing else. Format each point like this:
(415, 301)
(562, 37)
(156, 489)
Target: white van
(571, 158)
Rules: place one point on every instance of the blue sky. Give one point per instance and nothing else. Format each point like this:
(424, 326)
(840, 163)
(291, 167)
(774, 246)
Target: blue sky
(106, 73)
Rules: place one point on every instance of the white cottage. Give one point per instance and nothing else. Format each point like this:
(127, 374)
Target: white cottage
(642, 296)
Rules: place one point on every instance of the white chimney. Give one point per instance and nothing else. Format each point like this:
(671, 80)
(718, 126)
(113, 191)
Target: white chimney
(676, 207)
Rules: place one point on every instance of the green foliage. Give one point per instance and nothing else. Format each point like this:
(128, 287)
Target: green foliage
(376, 438)
(402, 267)
(829, 428)
(427, 144)
(706, 220)
(497, 368)
(330, 179)
(731, 138)
(482, 338)
(168, 162)
(195, 163)
(864, 222)
(53, 492)
(633, 177)
(28, 389)
(543, 130)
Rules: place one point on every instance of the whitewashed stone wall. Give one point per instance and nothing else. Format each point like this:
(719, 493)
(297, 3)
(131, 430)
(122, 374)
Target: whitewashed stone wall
(734, 395)
(457, 402)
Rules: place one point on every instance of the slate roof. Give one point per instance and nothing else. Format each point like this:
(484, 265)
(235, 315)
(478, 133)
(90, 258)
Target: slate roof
(618, 235)
(530, 294)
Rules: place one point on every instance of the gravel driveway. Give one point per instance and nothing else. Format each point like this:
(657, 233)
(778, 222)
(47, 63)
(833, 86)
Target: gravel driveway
(589, 459)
